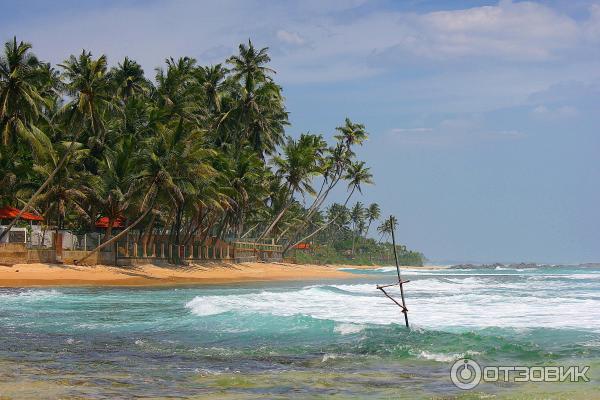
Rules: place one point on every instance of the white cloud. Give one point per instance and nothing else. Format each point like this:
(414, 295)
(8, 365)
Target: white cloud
(519, 31)
(565, 111)
(452, 132)
(473, 59)
(290, 37)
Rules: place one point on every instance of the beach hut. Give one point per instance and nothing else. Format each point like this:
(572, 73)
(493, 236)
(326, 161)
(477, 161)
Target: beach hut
(102, 222)
(19, 234)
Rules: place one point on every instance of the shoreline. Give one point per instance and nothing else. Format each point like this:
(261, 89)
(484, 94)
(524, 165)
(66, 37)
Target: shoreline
(53, 275)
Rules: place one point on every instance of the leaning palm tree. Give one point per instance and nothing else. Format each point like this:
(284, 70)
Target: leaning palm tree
(70, 185)
(299, 166)
(357, 175)
(169, 162)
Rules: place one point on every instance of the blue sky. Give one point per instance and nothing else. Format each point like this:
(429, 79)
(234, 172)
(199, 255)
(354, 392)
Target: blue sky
(484, 115)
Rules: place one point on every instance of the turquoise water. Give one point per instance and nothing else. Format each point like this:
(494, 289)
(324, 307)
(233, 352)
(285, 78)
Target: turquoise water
(310, 339)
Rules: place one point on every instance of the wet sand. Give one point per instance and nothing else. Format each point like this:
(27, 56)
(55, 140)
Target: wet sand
(28, 275)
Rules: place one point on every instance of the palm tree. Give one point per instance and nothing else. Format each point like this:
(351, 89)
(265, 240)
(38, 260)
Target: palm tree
(351, 134)
(116, 184)
(334, 166)
(173, 164)
(386, 227)
(373, 214)
(357, 215)
(15, 176)
(356, 176)
(69, 188)
(88, 85)
(128, 79)
(299, 166)
(21, 78)
(260, 107)
(249, 66)
(212, 79)
(200, 153)
(21, 105)
(179, 159)
(178, 92)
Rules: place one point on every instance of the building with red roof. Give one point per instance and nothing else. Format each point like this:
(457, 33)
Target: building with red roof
(9, 213)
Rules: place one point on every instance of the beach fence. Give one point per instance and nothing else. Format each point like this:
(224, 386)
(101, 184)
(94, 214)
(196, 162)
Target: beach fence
(135, 250)
(258, 250)
(68, 247)
(62, 247)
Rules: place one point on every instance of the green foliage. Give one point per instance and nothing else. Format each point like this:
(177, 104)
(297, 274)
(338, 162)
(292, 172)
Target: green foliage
(370, 253)
(199, 152)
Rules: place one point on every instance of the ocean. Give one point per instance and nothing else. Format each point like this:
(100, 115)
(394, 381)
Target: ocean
(318, 339)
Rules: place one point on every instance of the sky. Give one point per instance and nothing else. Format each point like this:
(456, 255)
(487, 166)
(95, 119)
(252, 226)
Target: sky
(483, 115)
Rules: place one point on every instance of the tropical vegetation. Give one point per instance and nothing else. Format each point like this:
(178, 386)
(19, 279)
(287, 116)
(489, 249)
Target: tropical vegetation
(196, 152)
(346, 240)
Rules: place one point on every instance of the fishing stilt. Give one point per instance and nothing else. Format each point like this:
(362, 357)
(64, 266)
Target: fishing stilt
(400, 281)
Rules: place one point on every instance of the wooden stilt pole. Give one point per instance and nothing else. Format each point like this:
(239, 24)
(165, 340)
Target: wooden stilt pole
(404, 309)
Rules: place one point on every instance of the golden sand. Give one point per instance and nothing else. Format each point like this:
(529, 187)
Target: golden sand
(24, 275)
(27, 275)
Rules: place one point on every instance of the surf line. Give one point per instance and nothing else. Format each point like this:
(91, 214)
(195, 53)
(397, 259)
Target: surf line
(400, 282)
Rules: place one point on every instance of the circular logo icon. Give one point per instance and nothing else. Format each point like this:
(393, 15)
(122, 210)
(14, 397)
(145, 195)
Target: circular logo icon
(465, 374)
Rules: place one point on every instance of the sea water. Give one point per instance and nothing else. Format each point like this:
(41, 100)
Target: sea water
(339, 338)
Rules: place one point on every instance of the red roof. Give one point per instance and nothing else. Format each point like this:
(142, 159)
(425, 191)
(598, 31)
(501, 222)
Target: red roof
(302, 246)
(103, 223)
(9, 212)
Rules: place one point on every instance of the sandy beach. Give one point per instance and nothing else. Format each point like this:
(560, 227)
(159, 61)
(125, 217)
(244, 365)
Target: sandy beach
(28, 275)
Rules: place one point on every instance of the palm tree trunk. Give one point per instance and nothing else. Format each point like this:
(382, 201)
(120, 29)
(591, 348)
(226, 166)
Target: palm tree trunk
(33, 198)
(249, 230)
(321, 227)
(275, 221)
(137, 221)
(282, 233)
(116, 237)
(109, 228)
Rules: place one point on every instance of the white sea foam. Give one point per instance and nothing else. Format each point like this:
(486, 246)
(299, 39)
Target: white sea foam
(202, 308)
(441, 357)
(348, 329)
(29, 295)
(329, 356)
(451, 301)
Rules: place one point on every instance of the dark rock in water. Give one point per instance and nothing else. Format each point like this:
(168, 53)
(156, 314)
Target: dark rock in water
(500, 265)
(477, 266)
(590, 265)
